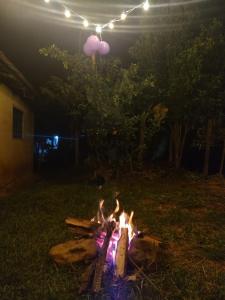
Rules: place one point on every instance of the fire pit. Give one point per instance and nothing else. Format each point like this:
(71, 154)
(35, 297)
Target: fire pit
(113, 247)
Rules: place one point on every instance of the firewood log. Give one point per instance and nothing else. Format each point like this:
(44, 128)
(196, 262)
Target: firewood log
(146, 251)
(81, 232)
(87, 278)
(74, 251)
(82, 223)
(121, 254)
(101, 260)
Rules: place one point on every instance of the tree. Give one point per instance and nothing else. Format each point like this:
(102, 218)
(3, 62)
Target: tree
(188, 68)
(98, 99)
(69, 91)
(118, 93)
(222, 160)
(163, 55)
(209, 47)
(182, 81)
(147, 54)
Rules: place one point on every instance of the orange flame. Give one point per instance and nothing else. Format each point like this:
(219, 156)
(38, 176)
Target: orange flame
(124, 220)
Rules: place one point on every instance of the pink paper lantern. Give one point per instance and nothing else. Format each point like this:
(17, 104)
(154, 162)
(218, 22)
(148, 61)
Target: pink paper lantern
(93, 42)
(87, 50)
(103, 48)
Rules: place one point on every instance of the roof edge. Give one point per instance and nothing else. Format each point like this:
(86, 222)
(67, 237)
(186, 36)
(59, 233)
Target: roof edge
(13, 68)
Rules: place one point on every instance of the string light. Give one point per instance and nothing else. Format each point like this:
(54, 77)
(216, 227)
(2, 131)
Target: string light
(98, 28)
(123, 16)
(67, 13)
(111, 25)
(85, 23)
(146, 5)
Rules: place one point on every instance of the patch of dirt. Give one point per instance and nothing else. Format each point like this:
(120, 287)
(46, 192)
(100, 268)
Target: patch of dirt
(214, 185)
(148, 201)
(166, 207)
(199, 213)
(4, 193)
(18, 184)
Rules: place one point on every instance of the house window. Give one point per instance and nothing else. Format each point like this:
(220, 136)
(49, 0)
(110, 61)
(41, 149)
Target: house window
(17, 123)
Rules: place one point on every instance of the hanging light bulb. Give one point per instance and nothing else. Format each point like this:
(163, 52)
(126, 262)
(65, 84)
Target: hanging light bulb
(146, 5)
(67, 13)
(123, 16)
(47, 1)
(85, 23)
(98, 29)
(111, 25)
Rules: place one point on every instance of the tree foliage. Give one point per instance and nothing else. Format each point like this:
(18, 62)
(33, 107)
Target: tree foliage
(100, 99)
(175, 80)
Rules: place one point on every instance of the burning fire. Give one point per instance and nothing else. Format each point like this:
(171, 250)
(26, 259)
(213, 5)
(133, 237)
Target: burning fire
(125, 221)
(122, 224)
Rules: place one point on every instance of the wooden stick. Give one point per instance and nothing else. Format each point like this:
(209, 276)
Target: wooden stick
(93, 59)
(99, 268)
(146, 277)
(87, 277)
(81, 232)
(121, 253)
(82, 223)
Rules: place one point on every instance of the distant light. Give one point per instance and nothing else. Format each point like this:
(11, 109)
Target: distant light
(67, 13)
(123, 16)
(56, 142)
(47, 1)
(85, 23)
(111, 25)
(146, 5)
(98, 29)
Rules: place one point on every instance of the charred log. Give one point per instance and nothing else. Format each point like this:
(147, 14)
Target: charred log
(81, 232)
(100, 263)
(146, 252)
(87, 278)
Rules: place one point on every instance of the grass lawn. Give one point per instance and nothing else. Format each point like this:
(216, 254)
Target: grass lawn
(182, 211)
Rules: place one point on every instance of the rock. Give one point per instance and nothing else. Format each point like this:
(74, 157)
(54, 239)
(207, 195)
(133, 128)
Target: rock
(74, 251)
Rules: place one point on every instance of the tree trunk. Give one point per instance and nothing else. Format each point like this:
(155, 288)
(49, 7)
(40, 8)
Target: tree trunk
(77, 147)
(222, 159)
(179, 134)
(183, 139)
(207, 147)
(171, 147)
(142, 137)
(131, 164)
(176, 141)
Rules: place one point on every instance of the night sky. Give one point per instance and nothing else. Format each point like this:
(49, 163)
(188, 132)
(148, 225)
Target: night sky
(27, 26)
